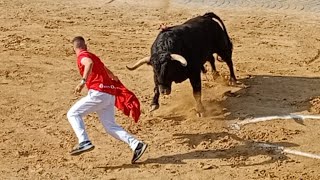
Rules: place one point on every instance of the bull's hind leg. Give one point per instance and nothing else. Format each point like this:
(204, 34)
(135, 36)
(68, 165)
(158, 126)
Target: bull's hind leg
(214, 72)
(233, 79)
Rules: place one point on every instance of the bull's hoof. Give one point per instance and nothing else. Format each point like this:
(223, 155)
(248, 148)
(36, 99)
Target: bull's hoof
(200, 110)
(215, 75)
(204, 70)
(154, 107)
(237, 84)
(232, 82)
(200, 114)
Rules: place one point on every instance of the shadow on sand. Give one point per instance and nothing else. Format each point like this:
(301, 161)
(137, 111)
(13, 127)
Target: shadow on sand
(246, 150)
(272, 95)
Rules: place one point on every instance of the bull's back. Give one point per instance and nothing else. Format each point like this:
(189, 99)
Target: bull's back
(191, 32)
(194, 39)
(199, 34)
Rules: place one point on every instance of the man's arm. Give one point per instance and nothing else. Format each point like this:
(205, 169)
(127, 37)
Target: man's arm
(88, 64)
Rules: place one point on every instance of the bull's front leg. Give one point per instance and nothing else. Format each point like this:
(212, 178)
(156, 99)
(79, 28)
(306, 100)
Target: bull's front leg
(155, 100)
(195, 81)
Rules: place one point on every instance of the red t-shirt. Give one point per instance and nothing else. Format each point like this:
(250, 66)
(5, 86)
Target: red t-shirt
(98, 79)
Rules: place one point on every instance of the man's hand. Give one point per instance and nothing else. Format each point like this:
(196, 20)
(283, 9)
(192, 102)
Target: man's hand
(79, 88)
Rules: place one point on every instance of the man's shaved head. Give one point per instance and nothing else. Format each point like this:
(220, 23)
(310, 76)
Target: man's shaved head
(79, 42)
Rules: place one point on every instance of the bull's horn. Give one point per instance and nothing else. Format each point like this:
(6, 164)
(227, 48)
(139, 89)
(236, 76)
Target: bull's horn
(139, 63)
(179, 58)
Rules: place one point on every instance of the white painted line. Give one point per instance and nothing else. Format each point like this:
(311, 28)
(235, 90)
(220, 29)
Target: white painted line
(238, 125)
(282, 149)
(288, 151)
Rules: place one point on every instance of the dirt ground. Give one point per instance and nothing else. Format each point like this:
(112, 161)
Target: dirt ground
(276, 54)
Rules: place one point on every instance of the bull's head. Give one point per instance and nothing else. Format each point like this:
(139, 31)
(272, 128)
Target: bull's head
(166, 67)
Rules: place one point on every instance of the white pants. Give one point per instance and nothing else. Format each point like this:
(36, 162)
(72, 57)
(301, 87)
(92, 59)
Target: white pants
(103, 104)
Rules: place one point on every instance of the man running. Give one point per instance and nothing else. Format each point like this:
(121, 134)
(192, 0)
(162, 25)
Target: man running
(101, 98)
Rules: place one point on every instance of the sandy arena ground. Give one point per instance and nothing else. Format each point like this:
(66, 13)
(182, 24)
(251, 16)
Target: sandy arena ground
(276, 54)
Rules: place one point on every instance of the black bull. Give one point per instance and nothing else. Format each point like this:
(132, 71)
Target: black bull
(179, 53)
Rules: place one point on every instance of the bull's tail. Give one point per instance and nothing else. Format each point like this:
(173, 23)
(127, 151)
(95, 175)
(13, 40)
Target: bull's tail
(214, 16)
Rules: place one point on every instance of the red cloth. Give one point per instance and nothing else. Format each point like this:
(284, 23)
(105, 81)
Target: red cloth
(125, 100)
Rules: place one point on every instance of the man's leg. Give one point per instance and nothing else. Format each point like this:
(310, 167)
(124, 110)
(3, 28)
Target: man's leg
(81, 108)
(107, 118)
